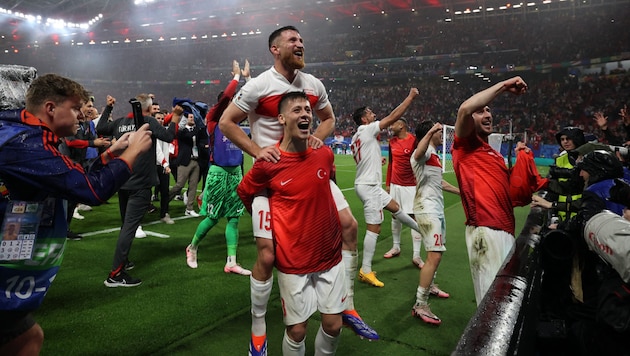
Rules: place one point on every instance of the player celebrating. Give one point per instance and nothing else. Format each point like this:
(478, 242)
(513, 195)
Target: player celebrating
(258, 102)
(428, 209)
(307, 241)
(367, 184)
(401, 185)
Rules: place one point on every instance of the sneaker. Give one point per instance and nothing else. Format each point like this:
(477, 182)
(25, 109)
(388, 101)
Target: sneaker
(424, 312)
(237, 269)
(191, 257)
(352, 320)
(152, 209)
(178, 197)
(438, 292)
(129, 266)
(83, 207)
(370, 278)
(167, 219)
(140, 234)
(76, 215)
(394, 252)
(122, 280)
(258, 346)
(418, 262)
(73, 236)
(192, 213)
(155, 198)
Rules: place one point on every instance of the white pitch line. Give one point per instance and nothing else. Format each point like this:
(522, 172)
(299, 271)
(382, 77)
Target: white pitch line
(114, 229)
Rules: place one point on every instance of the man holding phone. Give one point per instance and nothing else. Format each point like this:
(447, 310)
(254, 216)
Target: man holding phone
(135, 195)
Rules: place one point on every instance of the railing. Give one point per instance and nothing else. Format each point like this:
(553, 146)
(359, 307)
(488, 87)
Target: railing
(506, 320)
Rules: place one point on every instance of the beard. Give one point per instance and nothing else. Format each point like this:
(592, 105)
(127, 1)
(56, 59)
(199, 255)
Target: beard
(293, 63)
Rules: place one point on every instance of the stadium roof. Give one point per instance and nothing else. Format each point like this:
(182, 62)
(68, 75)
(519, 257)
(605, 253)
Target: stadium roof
(123, 16)
(30, 20)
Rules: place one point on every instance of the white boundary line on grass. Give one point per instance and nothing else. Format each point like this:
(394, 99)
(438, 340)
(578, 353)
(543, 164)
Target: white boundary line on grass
(152, 233)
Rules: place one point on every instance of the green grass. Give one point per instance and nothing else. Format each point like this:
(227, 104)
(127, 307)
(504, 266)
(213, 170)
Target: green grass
(180, 311)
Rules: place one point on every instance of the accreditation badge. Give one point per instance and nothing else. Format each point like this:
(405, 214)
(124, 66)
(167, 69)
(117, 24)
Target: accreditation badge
(19, 230)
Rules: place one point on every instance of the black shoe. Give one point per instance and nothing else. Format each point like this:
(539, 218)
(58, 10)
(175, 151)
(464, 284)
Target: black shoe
(129, 266)
(74, 236)
(122, 280)
(152, 208)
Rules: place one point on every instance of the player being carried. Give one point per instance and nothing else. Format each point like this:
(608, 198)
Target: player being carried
(307, 241)
(257, 101)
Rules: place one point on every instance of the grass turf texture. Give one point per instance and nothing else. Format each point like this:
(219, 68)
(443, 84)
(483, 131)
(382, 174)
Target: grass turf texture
(181, 311)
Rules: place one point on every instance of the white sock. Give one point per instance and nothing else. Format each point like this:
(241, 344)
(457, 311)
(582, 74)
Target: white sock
(292, 348)
(350, 260)
(416, 239)
(369, 247)
(260, 293)
(422, 295)
(406, 220)
(325, 344)
(396, 228)
(231, 261)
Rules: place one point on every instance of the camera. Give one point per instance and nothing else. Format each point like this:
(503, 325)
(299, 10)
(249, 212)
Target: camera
(623, 151)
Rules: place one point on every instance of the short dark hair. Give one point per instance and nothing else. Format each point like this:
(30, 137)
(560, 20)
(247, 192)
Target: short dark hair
(290, 96)
(275, 34)
(423, 128)
(358, 114)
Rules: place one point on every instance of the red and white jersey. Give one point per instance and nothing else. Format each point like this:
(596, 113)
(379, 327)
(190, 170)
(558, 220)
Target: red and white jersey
(399, 169)
(367, 154)
(429, 197)
(260, 96)
(483, 182)
(305, 223)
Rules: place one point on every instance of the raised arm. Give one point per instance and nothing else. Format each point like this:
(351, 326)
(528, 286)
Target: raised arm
(465, 125)
(398, 112)
(424, 142)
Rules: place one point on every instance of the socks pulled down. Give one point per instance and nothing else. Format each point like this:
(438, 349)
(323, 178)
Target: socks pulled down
(325, 344)
(292, 348)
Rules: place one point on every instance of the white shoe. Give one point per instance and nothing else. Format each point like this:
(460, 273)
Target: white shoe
(191, 257)
(83, 207)
(192, 213)
(167, 219)
(76, 215)
(140, 234)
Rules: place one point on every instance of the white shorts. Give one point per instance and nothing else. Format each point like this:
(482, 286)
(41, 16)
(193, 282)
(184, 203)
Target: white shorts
(374, 199)
(303, 294)
(487, 250)
(404, 195)
(433, 231)
(261, 216)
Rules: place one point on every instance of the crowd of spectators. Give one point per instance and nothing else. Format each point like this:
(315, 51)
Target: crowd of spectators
(380, 61)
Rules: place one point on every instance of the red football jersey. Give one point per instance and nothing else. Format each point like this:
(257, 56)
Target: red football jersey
(484, 184)
(304, 218)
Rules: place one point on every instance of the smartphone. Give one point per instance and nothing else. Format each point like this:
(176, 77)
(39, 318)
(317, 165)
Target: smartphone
(136, 108)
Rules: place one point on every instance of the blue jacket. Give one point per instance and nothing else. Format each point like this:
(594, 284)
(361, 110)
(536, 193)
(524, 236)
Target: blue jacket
(32, 169)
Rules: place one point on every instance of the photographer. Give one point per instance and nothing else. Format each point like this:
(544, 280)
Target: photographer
(573, 275)
(565, 185)
(135, 194)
